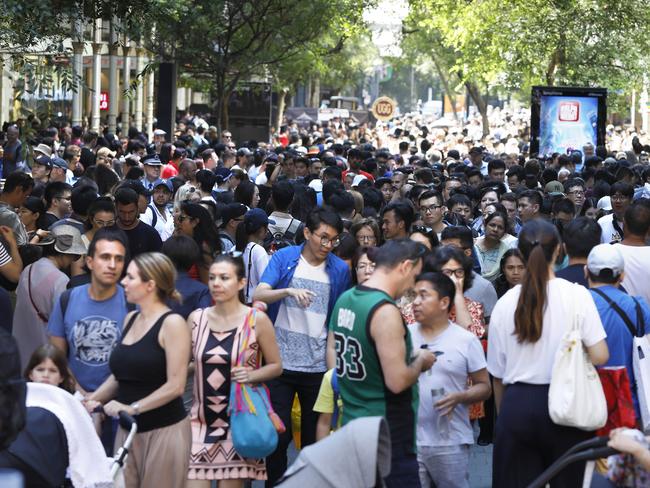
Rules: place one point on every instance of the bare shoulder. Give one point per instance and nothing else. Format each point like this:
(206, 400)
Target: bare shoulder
(386, 320)
(262, 320)
(174, 325)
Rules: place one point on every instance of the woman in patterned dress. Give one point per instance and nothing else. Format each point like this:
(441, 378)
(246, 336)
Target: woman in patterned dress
(215, 342)
(467, 313)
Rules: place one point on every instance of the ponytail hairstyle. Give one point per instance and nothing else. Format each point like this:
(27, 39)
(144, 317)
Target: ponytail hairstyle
(538, 241)
(159, 268)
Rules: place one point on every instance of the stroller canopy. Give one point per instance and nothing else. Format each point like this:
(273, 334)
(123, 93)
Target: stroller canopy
(351, 457)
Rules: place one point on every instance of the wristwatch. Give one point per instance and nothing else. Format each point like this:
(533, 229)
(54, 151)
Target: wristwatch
(136, 408)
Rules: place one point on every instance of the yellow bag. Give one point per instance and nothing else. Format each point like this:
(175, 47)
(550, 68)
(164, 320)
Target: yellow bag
(295, 421)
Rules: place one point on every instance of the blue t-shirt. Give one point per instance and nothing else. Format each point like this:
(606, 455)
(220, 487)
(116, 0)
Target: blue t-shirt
(619, 339)
(195, 295)
(92, 329)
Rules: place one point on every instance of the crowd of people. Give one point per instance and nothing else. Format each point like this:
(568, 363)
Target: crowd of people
(425, 275)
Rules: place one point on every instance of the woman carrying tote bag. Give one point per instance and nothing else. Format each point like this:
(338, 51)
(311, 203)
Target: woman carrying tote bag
(224, 337)
(527, 328)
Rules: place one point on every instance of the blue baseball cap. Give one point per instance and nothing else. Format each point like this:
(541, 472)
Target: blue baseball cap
(256, 218)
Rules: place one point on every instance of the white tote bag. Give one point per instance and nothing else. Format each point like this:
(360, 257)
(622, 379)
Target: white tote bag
(576, 397)
(641, 365)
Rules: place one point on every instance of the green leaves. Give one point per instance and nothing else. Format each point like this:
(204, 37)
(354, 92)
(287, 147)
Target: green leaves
(515, 43)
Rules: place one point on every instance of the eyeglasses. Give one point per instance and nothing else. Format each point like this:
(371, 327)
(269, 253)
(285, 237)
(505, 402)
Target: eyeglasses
(366, 267)
(618, 198)
(430, 208)
(458, 272)
(366, 239)
(326, 241)
(578, 193)
(105, 223)
(182, 218)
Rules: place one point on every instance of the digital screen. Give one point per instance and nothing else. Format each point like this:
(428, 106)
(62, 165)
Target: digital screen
(567, 123)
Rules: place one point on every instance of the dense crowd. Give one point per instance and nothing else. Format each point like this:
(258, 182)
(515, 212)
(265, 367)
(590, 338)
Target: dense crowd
(414, 271)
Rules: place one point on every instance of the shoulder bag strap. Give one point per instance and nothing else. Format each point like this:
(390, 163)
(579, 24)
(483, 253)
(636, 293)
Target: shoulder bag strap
(31, 299)
(617, 226)
(244, 337)
(640, 322)
(248, 274)
(618, 310)
(292, 229)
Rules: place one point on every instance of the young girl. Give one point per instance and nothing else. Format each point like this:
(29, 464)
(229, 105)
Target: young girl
(49, 365)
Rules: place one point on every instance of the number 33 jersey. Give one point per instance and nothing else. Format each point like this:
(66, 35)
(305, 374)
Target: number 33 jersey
(360, 377)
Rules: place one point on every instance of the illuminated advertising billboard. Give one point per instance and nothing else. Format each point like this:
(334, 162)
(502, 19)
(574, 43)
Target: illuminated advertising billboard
(565, 119)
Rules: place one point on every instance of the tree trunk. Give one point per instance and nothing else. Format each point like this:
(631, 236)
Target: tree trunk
(224, 111)
(315, 94)
(282, 102)
(481, 103)
(445, 83)
(308, 92)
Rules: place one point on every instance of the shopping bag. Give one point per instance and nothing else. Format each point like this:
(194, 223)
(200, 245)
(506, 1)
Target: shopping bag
(618, 394)
(254, 425)
(576, 397)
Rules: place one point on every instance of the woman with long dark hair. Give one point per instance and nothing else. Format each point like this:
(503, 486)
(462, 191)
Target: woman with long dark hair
(247, 193)
(526, 330)
(194, 221)
(219, 332)
(512, 268)
(250, 242)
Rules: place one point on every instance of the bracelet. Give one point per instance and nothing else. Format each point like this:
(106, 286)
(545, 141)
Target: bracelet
(136, 407)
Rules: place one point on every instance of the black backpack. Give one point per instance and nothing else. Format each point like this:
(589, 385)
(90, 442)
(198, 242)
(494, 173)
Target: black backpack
(290, 237)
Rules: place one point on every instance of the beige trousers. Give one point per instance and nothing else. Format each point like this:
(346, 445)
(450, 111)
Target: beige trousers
(159, 458)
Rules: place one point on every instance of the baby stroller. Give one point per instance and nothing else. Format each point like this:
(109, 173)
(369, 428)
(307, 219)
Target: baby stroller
(589, 451)
(356, 456)
(59, 442)
(128, 423)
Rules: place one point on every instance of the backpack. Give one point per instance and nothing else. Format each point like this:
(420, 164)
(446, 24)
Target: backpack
(290, 237)
(64, 300)
(154, 217)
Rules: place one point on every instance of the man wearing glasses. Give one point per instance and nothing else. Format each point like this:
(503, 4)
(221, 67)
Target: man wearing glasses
(58, 199)
(432, 211)
(575, 191)
(301, 284)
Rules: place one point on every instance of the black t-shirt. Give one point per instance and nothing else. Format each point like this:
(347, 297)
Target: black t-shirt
(143, 238)
(575, 273)
(46, 220)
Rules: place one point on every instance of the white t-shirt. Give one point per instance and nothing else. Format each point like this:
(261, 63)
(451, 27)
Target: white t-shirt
(301, 333)
(463, 354)
(516, 362)
(282, 221)
(610, 234)
(164, 227)
(255, 261)
(637, 273)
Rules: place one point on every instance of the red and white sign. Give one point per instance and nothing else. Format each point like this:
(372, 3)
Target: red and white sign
(569, 111)
(103, 101)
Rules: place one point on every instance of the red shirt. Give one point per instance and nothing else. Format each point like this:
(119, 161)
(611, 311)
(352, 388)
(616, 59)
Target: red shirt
(169, 171)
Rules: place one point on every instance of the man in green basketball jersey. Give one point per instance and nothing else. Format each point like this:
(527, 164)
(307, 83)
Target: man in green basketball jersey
(376, 366)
